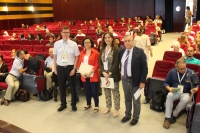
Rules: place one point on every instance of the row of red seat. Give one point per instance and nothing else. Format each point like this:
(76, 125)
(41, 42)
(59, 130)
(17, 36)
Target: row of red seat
(23, 42)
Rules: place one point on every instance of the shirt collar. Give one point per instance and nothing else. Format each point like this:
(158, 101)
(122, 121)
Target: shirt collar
(129, 49)
(189, 58)
(65, 42)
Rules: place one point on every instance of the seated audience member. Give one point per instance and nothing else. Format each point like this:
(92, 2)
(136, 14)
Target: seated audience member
(13, 78)
(198, 22)
(59, 24)
(44, 27)
(99, 31)
(3, 69)
(48, 33)
(177, 78)
(71, 37)
(112, 31)
(51, 41)
(189, 36)
(13, 53)
(48, 70)
(157, 20)
(190, 30)
(57, 37)
(22, 37)
(130, 29)
(184, 40)
(13, 37)
(135, 19)
(23, 26)
(139, 20)
(148, 20)
(38, 27)
(38, 37)
(80, 33)
(189, 57)
(27, 55)
(117, 43)
(176, 48)
(100, 38)
(198, 48)
(27, 26)
(5, 33)
(30, 36)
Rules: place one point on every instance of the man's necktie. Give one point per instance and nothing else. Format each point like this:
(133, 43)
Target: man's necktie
(125, 64)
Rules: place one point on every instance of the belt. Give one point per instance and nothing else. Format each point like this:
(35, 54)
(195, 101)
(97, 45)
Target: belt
(13, 75)
(129, 77)
(65, 66)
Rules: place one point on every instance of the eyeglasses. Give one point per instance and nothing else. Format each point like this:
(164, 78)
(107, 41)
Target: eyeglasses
(87, 42)
(190, 50)
(181, 68)
(65, 32)
(128, 40)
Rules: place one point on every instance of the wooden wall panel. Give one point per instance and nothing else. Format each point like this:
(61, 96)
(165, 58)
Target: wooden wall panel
(110, 8)
(88, 8)
(77, 9)
(99, 8)
(67, 10)
(123, 8)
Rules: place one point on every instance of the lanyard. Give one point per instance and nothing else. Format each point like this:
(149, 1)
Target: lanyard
(106, 55)
(180, 80)
(21, 62)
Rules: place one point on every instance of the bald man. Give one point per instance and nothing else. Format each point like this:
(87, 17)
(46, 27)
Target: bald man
(189, 59)
(134, 71)
(49, 68)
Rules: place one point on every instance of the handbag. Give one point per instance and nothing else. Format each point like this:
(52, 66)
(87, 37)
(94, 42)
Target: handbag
(22, 95)
(45, 95)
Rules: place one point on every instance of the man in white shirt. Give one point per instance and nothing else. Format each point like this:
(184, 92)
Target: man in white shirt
(49, 68)
(66, 54)
(13, 78)
(80, 33)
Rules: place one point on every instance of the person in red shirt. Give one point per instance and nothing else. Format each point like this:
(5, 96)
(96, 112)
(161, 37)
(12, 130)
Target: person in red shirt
(91, 83)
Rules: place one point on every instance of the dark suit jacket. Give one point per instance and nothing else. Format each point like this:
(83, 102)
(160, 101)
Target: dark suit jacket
(115, 65)
(139, 69)
(3, 69)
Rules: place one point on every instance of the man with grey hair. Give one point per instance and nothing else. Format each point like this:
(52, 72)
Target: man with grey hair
(178, 87)
(134, 71)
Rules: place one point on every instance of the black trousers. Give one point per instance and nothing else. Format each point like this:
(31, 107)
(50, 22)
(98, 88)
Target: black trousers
(63, 76)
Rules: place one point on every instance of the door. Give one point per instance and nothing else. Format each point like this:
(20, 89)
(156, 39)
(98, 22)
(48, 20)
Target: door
(179, 15)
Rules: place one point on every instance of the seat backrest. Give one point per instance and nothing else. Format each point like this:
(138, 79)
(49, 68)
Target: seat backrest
(197, 55)
(9, 62)
(41, 70)
(46, 49)
(25, 42)
(6, 53)
(38, 48)
(29, 48)
(16, 42)
(44, 42)
(172, 56)
(198, 95)
(7, 47)
(194, 67)
(184, 47)
(34, 42)
(7, 42)
(17, 46)
(161, 68)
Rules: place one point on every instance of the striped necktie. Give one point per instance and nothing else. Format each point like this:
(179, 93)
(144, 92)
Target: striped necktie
(125, 64)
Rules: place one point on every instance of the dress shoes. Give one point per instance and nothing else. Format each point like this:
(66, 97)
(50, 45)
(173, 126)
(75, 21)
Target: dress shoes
(2, 101)
(133, 122)
(61, 108)
(74, 108)
(166, 124)
(125, 119)
(173, 120)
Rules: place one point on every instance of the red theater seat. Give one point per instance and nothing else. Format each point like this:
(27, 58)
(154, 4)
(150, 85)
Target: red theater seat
(172, 56)
(162, 68)
(32, 54)
(38, 48)
(7, 47)
(44, 42)
(17, 47)
(6, 53)
(16, 42)
(46, 49)
(25, 42)
(34, 42)
(197, 55)
(7, 42)
(29, 48)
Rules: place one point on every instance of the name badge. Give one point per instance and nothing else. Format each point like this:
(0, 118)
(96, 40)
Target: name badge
(181, 88)
(64, 58)
(105, 65)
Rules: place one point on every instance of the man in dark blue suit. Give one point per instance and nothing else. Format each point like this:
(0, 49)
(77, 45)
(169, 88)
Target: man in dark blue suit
(134, 71)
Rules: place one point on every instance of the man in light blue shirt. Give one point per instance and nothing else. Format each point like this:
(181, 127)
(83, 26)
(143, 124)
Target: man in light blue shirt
(13, 78)
(189, 59)
(49, 63)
